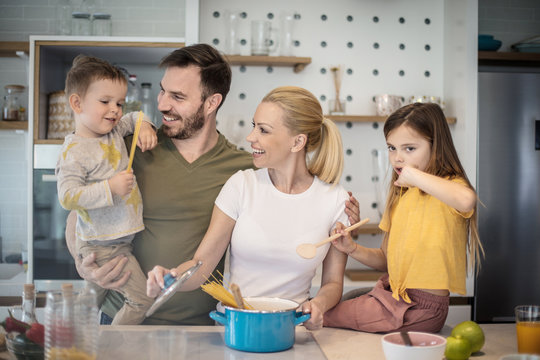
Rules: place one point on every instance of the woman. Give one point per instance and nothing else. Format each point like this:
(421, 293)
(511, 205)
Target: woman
(265, 214)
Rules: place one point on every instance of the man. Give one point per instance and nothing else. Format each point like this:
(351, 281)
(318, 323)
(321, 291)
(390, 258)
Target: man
(179, 181)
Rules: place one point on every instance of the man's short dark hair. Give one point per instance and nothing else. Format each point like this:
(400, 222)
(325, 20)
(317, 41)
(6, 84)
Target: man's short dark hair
(215, 70)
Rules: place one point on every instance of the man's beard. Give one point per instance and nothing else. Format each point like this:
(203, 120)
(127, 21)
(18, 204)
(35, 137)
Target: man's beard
(191, 126)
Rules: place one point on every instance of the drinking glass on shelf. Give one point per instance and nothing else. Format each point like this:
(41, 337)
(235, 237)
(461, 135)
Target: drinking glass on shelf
(528, 329)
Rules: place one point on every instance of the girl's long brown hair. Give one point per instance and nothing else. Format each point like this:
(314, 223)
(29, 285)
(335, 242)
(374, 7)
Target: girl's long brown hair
(429, 121)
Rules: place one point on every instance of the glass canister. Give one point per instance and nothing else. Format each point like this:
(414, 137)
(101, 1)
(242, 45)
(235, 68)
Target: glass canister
(101, 24)
(12, 106)
(81, 24)
(71, 324)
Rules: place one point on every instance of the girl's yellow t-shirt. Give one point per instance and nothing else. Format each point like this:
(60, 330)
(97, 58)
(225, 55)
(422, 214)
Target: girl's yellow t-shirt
(427, 244)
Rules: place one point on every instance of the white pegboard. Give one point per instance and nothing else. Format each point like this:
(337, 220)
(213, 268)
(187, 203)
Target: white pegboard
(350, 32)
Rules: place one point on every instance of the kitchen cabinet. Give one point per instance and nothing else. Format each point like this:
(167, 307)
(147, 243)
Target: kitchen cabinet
(52, 58)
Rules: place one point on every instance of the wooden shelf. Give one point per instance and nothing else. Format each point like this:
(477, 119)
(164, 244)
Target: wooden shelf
(13, 125)
(298, 63)
(508, 58)
(369, 118)
(49, 141)
(10, 48)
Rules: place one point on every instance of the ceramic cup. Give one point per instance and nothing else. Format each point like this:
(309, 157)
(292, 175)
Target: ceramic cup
(427, 99)
(386, 104)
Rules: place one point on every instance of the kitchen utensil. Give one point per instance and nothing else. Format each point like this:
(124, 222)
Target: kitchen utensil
(488, 43)
(308, 251)
(270, 328)
(406, 338)
(135, 138)
(171, 285)
(425, 346)
(237, 296)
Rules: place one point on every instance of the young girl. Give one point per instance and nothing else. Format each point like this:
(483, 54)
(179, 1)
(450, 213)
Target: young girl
(429, 224)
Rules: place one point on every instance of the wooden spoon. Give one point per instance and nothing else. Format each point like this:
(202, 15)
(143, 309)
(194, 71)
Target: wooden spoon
(238, 296)
(406, 338)
(308, 251)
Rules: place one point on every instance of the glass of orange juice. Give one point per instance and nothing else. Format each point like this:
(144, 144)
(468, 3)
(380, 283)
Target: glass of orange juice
(528, 329)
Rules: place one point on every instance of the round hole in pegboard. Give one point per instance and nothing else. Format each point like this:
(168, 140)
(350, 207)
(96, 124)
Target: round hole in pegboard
(349, 98)
(375, 19)
(350, 44)
(374, 178)
(323, 70)
(348, 178)
(427, 73)
(241, 123)
(427, 21)
(297, 16)
(375, 72)
(323, 97)
(324, 17)
(243, 14)
(242, 96)
(243, 42)
(348, 152)
(215, 41)
(296, 43)
(242, 148)
(348, 125)
(215, 14)
(271, 42)
(376, 45)
(401, 20)
(427, 47)
(401, 46)
(349, 18)
(349, 71)
(374, 205)
(269, 69)
(242, 68)
(375, 125)
(323, 44)
(401, 73)
(270, 16)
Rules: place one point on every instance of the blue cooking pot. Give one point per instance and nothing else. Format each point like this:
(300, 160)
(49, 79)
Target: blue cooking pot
(269, 328)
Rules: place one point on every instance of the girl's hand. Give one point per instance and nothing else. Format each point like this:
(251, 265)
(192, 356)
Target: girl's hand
(315, 322)
(147, 137)
(155, 281)
(345, 243)
(122, 183)
(407, 177)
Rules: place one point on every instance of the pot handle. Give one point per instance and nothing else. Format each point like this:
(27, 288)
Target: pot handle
(219, 317)
(300, 317)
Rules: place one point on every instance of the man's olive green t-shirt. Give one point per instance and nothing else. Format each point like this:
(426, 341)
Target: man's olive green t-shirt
(178, 198)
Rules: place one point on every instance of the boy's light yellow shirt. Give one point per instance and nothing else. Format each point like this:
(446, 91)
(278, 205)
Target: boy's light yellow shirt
(427, 244)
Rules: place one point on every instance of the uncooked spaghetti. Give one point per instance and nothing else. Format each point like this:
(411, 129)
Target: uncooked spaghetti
(220, 291)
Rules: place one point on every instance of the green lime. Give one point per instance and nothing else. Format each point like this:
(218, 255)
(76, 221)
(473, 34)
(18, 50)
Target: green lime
(472, 332)
(457, 348)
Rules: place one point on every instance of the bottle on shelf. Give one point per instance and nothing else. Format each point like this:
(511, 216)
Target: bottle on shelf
(133, 102)
(148, 105)
(29, 304)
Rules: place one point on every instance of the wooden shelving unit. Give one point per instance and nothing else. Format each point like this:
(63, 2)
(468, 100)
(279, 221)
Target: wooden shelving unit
(10, 48)
(369, 118)
(13, 125)
(495, 58)
(298, 63)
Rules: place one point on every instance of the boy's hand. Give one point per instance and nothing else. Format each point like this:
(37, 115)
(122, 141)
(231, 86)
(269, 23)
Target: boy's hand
(147, 137)
(122, 183)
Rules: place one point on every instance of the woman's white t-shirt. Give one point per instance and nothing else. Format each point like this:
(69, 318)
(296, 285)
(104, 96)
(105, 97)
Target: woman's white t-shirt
(270, 225)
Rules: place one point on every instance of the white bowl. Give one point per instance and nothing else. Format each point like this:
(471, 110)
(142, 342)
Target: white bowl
(426, 346)
(520, 357)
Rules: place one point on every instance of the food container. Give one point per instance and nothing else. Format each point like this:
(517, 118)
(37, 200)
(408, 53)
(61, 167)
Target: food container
(270, 328)
(12, 109)
(425, 346)
(23, 349)
(61, 122)
(386, 104)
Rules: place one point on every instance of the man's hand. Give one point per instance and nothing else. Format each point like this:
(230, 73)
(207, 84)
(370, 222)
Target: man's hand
(108, 276)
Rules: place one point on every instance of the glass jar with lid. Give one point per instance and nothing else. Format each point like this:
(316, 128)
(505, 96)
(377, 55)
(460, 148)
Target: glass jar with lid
(81, 23)
(12, 108)
(101, 24)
